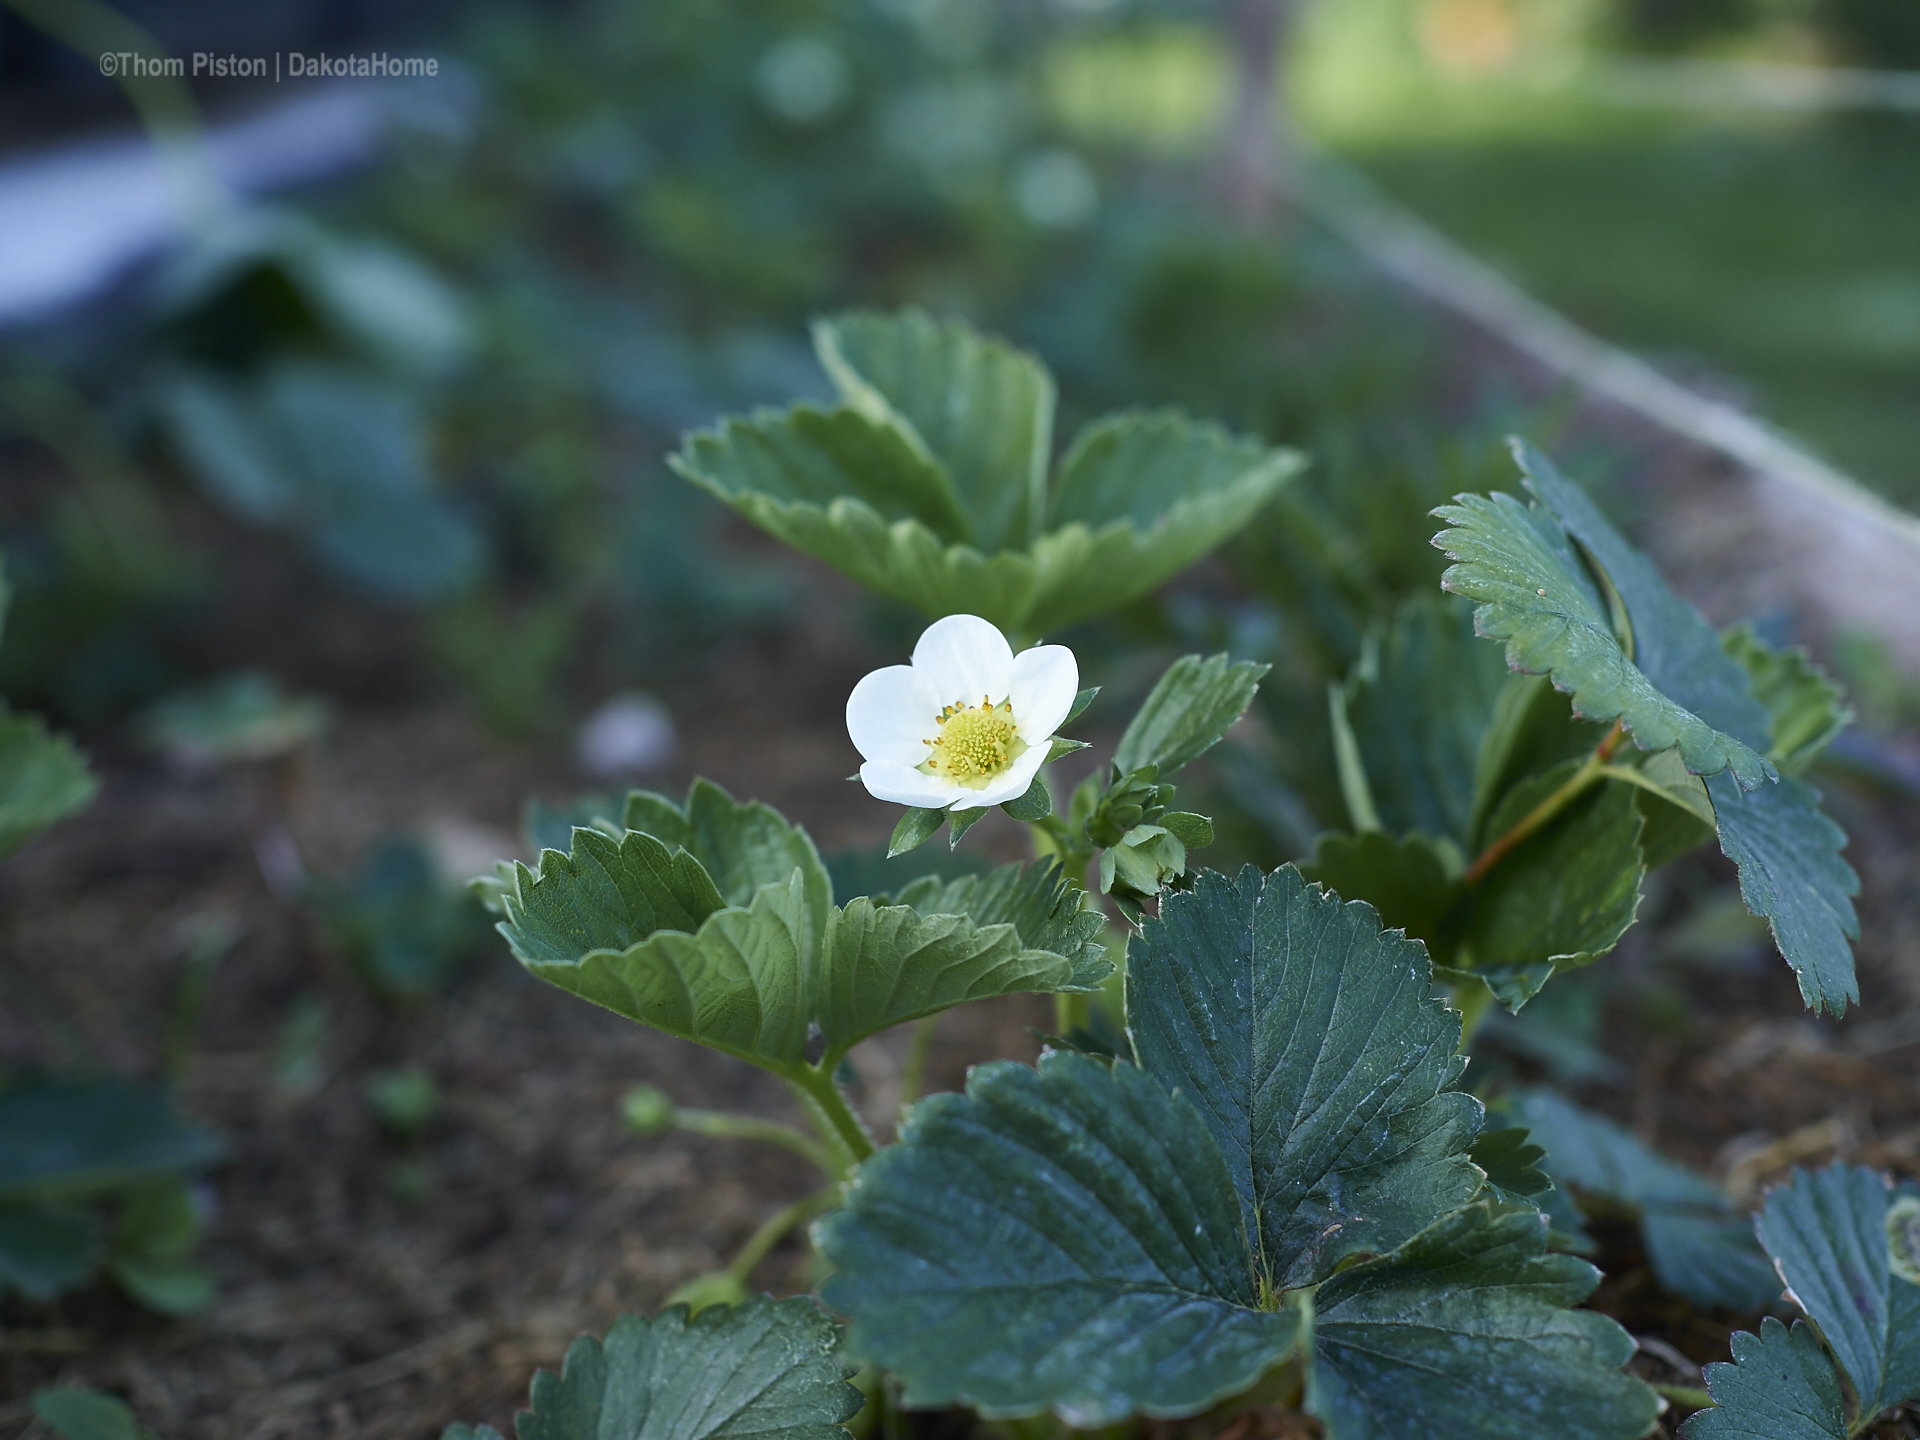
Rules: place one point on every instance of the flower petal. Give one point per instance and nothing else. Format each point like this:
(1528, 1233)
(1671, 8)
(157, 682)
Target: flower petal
(1045, 680)
(903, 785)
(964, 658)
(891, 714)
(1010, 786)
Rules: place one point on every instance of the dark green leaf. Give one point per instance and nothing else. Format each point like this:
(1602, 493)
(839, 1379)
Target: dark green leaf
(1805, 709)
(979, 409)
(1190, 707)
(764, 1370)
(1535, 594)
(1066, 1239)
(1466, 1330)
(917, 826)
(1564, 897)
(1036, 804)
(42, 779)
(1512, 1162)
(1827, 1234)
(82, 1137)
(1309, 1041)
(78, 1414)
(47, 1249)
(1414, 882)
(1791, 872)
(1698, 1242)
(1419, 702)
(1780, 1386)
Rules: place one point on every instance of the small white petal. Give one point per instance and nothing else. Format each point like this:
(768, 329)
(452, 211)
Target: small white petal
(964, 658)
(1045, 680)
(903, 785)
(891, 714)
(1010, 786)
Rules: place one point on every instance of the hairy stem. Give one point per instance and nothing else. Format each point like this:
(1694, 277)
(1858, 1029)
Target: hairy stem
(762, 1241)
(1591, 772)
(827, 1108)
(724, 1126)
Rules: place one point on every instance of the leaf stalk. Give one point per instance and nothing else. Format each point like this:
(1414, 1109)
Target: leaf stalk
(1591, 772)
(827, 1108)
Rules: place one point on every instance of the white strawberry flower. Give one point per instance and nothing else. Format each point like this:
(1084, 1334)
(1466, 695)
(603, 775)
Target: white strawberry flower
(968, 724)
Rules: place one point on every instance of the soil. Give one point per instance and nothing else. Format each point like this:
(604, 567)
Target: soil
(372, 1287)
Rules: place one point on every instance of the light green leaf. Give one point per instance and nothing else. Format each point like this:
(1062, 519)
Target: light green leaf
(976, 407)
(1065, 1240)
(1190, 707)
(1311, 1044)
(1564, 897)
(42, 779)
(1467, 1330)
(1419, 702)
(763, 1370)
(1805, 708)
(1788, 853)
(1827, 1234)
(1535, 594)
(605, 894)
(1037, 900)
(1780, 1386)
(1699, 1244)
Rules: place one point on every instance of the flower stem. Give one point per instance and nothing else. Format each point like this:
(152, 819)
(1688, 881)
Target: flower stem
(1591, 772)
(913, 1072)
(762, 1241)
(827, 1108)
(723, 1126)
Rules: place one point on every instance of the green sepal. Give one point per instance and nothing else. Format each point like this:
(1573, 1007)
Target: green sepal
(762, 1370)
(1194, 702)
(1062, 746)
(1193, 831)
(1036, 804)
(917, 826)
(1080, 703)
(961, 821)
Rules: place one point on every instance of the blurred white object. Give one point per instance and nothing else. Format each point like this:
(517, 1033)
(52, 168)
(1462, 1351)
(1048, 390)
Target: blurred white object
(629, 733)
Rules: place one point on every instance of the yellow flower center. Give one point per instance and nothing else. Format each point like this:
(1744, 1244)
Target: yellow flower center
(975, 743)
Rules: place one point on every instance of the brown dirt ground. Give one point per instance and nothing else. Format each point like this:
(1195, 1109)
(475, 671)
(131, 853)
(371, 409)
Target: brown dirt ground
(345, 1312)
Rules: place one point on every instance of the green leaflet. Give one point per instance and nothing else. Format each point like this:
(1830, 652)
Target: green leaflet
(1468, 1330)
(762, 1370)
(929, 485)
(1193, 703)
(42, 779)
(1414, 881)
(977, 408)
(1036, 900)
(76, 1138)
(1532, 729)
(1065, 1239)
(1805, 709)
(1309, 1041)
(1512, 1162)
(1780, 1386)
(1699, 1244)
(1534, 594)
(1419, 702)
(1098, 1239)
(1564, 898)
(75, 1413)
(1788, 854)
(714, 922)
(1827, 1233)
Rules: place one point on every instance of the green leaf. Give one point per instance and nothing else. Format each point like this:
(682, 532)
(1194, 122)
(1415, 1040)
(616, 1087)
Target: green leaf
(1827, 1234)
(743, 846)
(80, 1414)
(1419, 701)
(42, 779)
(243, 715)
(173, 1288)
(1698, 1243)
(1564, 897)
(917, 826)
(1533, 729)
(469, 1432)
(1189, 708)
(47, 1249)
(764, 1370)
(605, 894)
(79, 1138)
(1191, 830)
(1535, 594)
(1512, 1163)
(1467, 1330)
(1413, 882)
(1805, 708)
(1310, 1042)
(975, 407)
(1065, 1239)
(1680, 818)
(1788, 854)
(1780, 1386)
(1037, 900)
